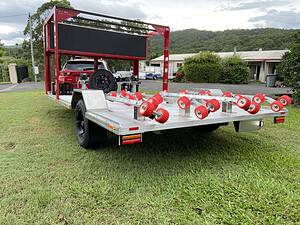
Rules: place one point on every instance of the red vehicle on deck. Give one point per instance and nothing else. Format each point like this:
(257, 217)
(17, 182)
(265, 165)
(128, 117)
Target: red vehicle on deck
(74, 70)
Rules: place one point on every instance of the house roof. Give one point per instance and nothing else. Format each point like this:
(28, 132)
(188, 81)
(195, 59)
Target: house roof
(246, 55)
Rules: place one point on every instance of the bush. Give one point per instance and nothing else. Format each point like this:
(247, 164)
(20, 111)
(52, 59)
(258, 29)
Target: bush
(289, 70)
(5, 60)
(204, 67)
(179, 76)
(235, 71)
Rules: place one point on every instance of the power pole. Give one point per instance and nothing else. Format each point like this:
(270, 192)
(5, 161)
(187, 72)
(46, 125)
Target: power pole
(31, 49)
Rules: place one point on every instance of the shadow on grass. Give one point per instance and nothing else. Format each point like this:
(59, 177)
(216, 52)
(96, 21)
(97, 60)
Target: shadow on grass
(171, 148)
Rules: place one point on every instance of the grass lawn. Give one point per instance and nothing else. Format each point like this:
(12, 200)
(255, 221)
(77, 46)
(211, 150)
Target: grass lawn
(221, 178)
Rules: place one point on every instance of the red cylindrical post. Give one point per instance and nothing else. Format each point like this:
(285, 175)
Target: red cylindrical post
(136, 68)
(47, 57)
(136, 72)
(166, 59)
(56, 54)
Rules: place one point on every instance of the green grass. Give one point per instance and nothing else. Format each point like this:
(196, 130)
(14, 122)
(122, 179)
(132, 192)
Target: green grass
(221, 178)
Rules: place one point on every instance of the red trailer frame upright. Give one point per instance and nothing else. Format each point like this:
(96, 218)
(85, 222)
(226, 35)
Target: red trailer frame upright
(65, 15)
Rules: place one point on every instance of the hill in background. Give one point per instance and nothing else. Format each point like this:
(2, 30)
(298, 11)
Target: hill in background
(193, 40)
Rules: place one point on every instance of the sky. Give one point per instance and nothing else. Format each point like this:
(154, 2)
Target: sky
(178, 14)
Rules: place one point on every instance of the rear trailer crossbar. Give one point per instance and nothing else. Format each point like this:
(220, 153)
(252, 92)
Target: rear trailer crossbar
(119, 111)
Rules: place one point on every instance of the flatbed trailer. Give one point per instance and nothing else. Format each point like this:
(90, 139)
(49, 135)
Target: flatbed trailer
(123, 113)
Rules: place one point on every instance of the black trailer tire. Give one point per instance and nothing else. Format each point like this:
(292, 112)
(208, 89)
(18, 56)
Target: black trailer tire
(103, 80)
(88, 134)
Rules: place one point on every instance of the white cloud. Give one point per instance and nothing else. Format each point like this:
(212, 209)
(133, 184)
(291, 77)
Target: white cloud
(178, 14)
(257, 4)
(5, 29)
(278, 19)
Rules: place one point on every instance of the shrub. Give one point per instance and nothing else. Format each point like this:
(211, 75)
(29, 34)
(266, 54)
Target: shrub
(5, 60)
(204, 67)
(289, 70)
(179, 76)
(235, 71)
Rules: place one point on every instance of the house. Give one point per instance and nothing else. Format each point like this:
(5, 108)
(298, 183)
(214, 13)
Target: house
(261, 63)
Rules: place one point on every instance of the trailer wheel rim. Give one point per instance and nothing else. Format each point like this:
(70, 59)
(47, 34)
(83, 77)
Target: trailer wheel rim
(80, 123)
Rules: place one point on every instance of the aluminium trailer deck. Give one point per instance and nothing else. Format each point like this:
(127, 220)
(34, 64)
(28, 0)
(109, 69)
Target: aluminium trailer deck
(119, 118)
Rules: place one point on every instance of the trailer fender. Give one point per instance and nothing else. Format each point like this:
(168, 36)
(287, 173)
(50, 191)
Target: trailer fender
(93, 99)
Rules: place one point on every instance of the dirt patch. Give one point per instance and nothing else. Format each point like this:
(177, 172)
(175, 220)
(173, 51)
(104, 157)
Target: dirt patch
(8, 146)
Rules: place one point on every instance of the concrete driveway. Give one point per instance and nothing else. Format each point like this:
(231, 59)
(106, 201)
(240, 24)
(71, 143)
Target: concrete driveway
(149, 85)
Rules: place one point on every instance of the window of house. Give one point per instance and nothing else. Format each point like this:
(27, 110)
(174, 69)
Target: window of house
(155, 64)
(179, 64)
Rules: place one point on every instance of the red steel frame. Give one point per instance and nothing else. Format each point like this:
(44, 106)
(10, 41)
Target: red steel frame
(60, 14)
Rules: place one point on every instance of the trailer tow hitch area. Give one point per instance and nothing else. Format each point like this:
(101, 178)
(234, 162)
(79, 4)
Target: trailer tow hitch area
(130, 139)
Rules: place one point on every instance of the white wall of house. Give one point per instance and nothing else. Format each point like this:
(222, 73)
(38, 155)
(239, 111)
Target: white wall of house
(265, 61)
(173, 67)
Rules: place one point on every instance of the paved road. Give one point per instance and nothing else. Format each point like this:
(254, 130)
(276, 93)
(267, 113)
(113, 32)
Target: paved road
(149, 85)
(21, 87)
(249, 89)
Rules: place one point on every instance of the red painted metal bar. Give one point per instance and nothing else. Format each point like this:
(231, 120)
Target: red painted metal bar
(47, 72)
(109, 17)
(46, 61)
(136, 68)
(56, 54)
(98, 55)
(49, 58)
(166, 59)
(61, 14)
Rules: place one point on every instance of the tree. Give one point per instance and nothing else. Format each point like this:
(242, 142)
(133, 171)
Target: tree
(204, 67)
(194, 41)
(2, 50)
(37, 20)
(289, 69)
(235, 70)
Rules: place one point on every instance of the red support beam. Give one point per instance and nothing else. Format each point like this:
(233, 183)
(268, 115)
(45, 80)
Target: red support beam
(136, 68)
(47, 60)
(98, 55)
(56, 55)
(166, 59)
(60, 14)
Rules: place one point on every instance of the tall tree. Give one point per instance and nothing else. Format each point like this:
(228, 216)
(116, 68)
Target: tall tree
(289, 69)
(37, 20)
(2, 50)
